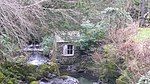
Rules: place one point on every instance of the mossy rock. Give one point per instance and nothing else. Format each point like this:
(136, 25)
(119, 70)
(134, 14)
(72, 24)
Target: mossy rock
(34, 82)
(2, 76)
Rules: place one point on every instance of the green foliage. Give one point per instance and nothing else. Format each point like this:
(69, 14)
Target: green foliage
(46, 68)
(110, 65)
(123, 79)
(109, 72)
(111, 18)
(12, 81)
(84, 6)
(136, 2)
(47, 44)
(67, 25)
(90, 34)
(12, 72)
(56, 4)
(120, 3)
(115, 18)
(2, 76)
(7, 47)
(31, 78)
(19, 59)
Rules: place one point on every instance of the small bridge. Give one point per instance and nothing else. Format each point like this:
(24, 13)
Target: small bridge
(33, 48)
(36, 57)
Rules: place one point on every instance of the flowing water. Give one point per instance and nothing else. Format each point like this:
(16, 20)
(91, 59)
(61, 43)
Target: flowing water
(37, 59)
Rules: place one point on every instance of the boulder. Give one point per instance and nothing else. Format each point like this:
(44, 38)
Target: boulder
(70, 80)
(61, 80)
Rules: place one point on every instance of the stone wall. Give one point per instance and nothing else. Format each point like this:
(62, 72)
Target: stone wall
(67, 60)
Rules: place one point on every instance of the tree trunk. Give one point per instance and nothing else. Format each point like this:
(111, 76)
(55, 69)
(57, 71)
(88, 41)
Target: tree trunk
(54, 55)
(142, 19)
(54, 49)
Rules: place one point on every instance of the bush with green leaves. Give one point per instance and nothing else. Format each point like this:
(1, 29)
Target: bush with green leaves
(114, 18)
(47, 44)
(90, 34)
(8, 47)
(109, 64)
(111, 18)
(109, 72)
(13, 72)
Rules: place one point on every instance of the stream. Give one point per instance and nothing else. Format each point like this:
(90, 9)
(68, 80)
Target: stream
(76, 78)
(36, 59)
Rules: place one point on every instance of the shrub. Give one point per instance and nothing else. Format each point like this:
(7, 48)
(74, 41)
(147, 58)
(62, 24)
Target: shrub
(15, 72)
(2, 76)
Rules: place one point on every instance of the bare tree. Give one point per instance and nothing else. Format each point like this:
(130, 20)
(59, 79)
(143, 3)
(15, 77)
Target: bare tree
(144, 10)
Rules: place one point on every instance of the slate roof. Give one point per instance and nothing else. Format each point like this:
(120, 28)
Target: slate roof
(68, 36)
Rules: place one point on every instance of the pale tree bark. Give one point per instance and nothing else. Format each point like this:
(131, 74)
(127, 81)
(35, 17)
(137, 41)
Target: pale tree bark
(142, 19)
(54, 54)
(54, 48)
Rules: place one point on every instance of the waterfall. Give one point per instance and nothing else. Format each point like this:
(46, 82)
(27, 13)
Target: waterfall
(36, 57)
